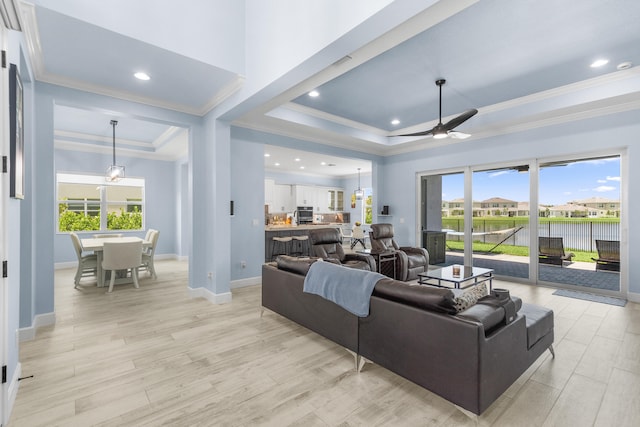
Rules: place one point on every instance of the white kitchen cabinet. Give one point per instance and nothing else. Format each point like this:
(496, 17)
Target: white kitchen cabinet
(269, 190)
(306, 196)
(283, 199)
(336, 200)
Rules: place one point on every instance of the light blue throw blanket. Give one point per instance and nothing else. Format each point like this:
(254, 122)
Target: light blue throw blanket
(350, 288)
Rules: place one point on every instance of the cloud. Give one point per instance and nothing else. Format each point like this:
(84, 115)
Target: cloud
(601, 181)
(567, 193)
(613, 178)
(604, 189)
(494, 174)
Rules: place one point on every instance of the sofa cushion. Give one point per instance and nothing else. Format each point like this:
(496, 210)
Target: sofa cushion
(424, 297)
(468, 297)
(539, 322)
(299, 265)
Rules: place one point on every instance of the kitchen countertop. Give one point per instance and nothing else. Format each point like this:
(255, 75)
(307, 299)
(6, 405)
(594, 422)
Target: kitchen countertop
(300, 227)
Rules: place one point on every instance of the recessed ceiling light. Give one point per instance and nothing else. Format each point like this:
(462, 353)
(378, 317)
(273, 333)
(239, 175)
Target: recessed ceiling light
(142, 76)
(297, 159)
(314, 93)
(277, 164)
(267, 155)
(395, 122)
(301, 167)
(624, 65)
(599, 63)
(323, 163)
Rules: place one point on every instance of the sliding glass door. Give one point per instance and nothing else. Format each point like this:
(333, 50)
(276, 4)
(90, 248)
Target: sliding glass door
(567, 234)
(579, 223)
(501, 220)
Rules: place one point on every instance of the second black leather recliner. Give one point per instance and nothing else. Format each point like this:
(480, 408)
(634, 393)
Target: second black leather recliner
(410, 261)
(326, 243)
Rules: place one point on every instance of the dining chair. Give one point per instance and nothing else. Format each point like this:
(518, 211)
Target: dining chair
(149, 253)
(121, 256)
(87, 264)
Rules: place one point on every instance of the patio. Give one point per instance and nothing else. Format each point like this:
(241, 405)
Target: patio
(581, 274)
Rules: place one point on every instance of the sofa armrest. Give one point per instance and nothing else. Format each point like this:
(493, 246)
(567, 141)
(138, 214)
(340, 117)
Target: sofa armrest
(362, 257)
(489, 316)
(412, 250)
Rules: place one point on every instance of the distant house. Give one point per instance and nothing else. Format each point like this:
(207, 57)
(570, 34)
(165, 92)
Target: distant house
(497, 206)
(455, 207)
(595, 207)
(571, 210)
(605, 207)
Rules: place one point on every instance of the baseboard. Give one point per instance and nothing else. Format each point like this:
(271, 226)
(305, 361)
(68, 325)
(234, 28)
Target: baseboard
(210, 296)
(12, 392)
(633, 297)
(40, 320)
(249, 281)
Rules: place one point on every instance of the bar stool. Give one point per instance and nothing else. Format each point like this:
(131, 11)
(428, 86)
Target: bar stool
(301, 245)
(280, 246)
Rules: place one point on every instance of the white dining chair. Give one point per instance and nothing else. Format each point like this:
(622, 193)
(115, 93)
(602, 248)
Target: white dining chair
(121, 256)
(149, 253)
(87, 264)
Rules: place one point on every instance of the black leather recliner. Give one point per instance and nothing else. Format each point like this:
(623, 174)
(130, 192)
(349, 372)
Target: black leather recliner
(326, 243)
(409, 262)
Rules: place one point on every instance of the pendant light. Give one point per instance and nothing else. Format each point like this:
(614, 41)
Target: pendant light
(359, 193)
(114, 172)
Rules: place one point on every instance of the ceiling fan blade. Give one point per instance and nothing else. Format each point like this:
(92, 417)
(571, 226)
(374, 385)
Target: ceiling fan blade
(457, 121)
(458, 135)
(423, 133)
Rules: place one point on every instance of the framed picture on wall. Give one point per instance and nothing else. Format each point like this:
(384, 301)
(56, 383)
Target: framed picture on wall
(16, 130)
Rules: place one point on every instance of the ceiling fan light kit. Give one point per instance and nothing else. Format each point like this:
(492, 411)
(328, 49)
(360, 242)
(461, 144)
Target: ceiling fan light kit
(440, 130)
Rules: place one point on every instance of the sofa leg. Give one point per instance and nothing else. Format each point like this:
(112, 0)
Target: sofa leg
(553, 353)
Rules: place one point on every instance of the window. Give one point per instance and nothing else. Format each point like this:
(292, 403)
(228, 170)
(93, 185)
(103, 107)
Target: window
(87, 203)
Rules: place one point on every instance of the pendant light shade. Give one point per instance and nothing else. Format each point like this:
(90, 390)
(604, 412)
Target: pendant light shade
(359, 193)
(114, 172)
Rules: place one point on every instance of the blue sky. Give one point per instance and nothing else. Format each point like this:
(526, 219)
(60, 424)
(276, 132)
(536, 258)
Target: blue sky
(558, 184)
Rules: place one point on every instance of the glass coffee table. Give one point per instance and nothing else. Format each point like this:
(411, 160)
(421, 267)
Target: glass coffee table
(444, 277)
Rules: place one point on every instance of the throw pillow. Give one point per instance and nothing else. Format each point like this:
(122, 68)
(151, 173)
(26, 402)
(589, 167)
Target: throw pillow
(470, 296)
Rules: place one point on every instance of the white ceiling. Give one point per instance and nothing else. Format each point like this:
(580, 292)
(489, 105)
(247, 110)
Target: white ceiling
(522, 64)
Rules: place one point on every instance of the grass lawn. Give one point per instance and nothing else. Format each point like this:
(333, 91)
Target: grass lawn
(514, 250)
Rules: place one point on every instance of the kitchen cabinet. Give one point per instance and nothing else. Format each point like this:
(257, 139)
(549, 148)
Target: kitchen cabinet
(306, 195)
(323, 199)
(269, 185)
(283, 199)
(336, 200)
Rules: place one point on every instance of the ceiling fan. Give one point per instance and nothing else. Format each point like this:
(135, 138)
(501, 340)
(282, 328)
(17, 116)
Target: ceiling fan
(440, 130)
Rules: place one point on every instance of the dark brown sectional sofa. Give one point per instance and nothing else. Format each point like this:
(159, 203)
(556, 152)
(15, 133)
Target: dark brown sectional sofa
(469, 358)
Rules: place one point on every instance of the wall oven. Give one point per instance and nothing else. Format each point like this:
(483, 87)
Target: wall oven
(305, 214)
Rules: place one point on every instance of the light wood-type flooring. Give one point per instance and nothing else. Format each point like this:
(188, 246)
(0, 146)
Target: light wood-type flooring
(154, 356)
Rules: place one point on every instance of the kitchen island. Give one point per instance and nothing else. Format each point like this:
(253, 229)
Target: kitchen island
(271, 231)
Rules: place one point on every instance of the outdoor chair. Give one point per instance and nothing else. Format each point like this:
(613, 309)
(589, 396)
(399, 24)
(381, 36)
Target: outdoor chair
(608, 255)
(551, 251)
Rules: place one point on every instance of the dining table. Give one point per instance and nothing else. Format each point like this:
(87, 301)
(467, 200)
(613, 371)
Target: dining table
(97, 246)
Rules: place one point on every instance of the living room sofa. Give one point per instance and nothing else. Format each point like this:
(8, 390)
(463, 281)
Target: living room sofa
(469, 357)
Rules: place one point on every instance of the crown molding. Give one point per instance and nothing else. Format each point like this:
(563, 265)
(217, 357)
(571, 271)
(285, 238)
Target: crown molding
(61, 144)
